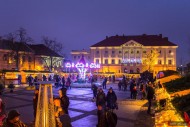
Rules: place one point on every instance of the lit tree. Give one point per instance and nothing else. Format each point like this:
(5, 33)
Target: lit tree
(149, 60)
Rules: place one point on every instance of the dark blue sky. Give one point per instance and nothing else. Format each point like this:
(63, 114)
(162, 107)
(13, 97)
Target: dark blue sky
(81, 23)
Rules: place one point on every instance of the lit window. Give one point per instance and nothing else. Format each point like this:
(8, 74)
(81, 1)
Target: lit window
(29, 59)
(170, 62)
(159, 61)
(113, 61)
(126, 52)
(23, 59)
(5, 56)
(106, 61)
(97, 61)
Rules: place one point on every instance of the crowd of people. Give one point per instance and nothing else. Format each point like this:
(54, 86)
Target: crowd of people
(105, 103)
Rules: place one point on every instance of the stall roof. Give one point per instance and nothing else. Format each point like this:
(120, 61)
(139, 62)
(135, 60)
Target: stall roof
(4, 71)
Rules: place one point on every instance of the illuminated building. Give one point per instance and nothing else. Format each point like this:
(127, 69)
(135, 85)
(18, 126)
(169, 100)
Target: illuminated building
(124, 54)
(23, 59)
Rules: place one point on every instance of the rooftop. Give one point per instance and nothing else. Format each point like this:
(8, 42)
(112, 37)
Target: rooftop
(145, 40)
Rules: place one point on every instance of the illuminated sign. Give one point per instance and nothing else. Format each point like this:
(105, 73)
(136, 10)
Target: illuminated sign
(125, 61)
(81, 65)
(82, 68)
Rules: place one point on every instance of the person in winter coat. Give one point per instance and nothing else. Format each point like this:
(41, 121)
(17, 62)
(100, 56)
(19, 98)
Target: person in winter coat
(111, 99)
(100, 103)
(13, 120)
(94, 89)
(2, 112)
(64, 99)
(150, 96)
(35, 102)
(63, 81)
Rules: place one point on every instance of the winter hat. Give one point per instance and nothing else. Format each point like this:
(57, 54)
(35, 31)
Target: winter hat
(12, 114)
(110, 88)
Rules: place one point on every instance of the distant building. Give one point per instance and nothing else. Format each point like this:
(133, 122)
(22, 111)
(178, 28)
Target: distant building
(76, 55)
(124, 54)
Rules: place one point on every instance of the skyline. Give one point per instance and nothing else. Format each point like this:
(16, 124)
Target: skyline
(89, 22)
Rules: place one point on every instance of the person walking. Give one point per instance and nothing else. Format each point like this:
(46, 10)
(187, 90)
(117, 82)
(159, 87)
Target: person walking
(100, 103)
(35, 102)
(13, 120)
(63, 81)
(64, 99)
(111, 99)
(94, 89)
(2, 112)
(150, 96)
(104, 83)
(131, 88)
(119, 85)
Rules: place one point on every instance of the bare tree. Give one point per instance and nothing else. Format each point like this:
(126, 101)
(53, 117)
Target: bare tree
(54, 46)
(17, 39)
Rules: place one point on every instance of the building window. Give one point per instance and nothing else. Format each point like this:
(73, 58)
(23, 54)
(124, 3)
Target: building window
(119, 52)
(170, 62)
(29, 59)
(159, 61)
(137, 52)
(144, 51)
(88, 57)
(113, 61)
(119, 62)
(126, 52)
(170, 51)
(74, 57)
(160, 51)
(113, 52)
(106, 52)
(23, 59)
(106, 61)
(78, 57)
(97, 61)
(97, 52)
(131, 52)
(5, 57)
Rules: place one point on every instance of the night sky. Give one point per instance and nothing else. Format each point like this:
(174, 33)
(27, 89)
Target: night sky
(81, 23)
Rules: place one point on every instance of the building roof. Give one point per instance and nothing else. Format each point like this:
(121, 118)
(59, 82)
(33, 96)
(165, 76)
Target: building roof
(41, 49)
(145, 40)
(16, 46)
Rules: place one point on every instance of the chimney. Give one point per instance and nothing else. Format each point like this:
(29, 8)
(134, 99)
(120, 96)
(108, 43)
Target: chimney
(106, 37)
(160, 35)
(165, 38)
(123, 35)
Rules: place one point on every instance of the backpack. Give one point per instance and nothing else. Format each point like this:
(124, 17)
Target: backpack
(111, 119)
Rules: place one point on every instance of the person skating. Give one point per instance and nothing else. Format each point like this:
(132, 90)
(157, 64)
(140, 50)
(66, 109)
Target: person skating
(63, 81)
(13, 120)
